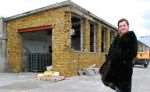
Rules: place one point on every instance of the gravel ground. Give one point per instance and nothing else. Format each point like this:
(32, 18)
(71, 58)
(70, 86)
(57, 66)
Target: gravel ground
(27, 82)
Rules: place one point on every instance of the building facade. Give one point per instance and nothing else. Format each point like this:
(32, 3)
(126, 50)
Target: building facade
(69, 36)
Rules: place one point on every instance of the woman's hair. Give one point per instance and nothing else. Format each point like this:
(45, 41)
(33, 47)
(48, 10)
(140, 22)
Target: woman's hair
(123, 19)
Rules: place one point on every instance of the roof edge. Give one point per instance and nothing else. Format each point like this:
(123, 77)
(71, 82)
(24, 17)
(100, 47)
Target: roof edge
(52, 6)
(59, 5)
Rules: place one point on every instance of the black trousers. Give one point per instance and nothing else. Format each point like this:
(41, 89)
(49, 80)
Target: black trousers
(124, 87)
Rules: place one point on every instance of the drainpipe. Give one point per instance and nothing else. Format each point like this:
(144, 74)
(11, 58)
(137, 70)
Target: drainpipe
(2, 45)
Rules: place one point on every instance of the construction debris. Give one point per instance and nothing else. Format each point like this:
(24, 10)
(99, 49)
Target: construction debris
(48, 68)
(90, 71)
(50, 75)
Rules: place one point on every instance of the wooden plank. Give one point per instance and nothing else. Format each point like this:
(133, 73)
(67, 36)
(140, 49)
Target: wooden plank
(37, 28)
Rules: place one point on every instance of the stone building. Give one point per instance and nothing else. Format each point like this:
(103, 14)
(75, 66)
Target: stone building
(62, 35)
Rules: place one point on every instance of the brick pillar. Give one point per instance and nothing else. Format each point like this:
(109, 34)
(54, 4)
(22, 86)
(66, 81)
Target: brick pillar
(86, 37)
(62, 54)
(99, 34)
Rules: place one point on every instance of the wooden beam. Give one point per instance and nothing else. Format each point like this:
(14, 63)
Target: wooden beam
(37, 28)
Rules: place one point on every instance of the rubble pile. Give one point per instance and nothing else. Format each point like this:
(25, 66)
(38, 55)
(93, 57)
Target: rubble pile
(49, 74)
(90, 71)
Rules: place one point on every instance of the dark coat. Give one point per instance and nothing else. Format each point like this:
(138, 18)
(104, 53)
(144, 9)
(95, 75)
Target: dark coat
(121, 54)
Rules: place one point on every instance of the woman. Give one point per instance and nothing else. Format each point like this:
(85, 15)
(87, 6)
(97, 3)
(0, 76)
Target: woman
(120, 57)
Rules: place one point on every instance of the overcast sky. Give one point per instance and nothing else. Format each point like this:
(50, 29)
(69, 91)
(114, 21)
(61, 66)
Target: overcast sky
(136, 11)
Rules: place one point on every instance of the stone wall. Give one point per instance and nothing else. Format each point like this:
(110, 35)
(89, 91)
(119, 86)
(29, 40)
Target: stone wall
(64, 59)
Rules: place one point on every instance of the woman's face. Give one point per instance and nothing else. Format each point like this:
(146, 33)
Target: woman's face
(123, 27)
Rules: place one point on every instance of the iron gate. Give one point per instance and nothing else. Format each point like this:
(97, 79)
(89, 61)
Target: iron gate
(37, 62)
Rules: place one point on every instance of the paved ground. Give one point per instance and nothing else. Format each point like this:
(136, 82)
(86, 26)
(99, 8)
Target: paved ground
(27, 82)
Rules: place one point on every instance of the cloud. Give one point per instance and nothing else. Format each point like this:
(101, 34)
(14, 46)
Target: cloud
(113, 10)
(13, 7)
(146, 18)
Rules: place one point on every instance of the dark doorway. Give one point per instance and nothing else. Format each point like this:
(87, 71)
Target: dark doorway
(37, 50)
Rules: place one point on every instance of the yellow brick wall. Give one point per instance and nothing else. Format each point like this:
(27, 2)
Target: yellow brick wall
(64, 59)
(76, 60)
(14, 43)
(86, 36)
(99, 34)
